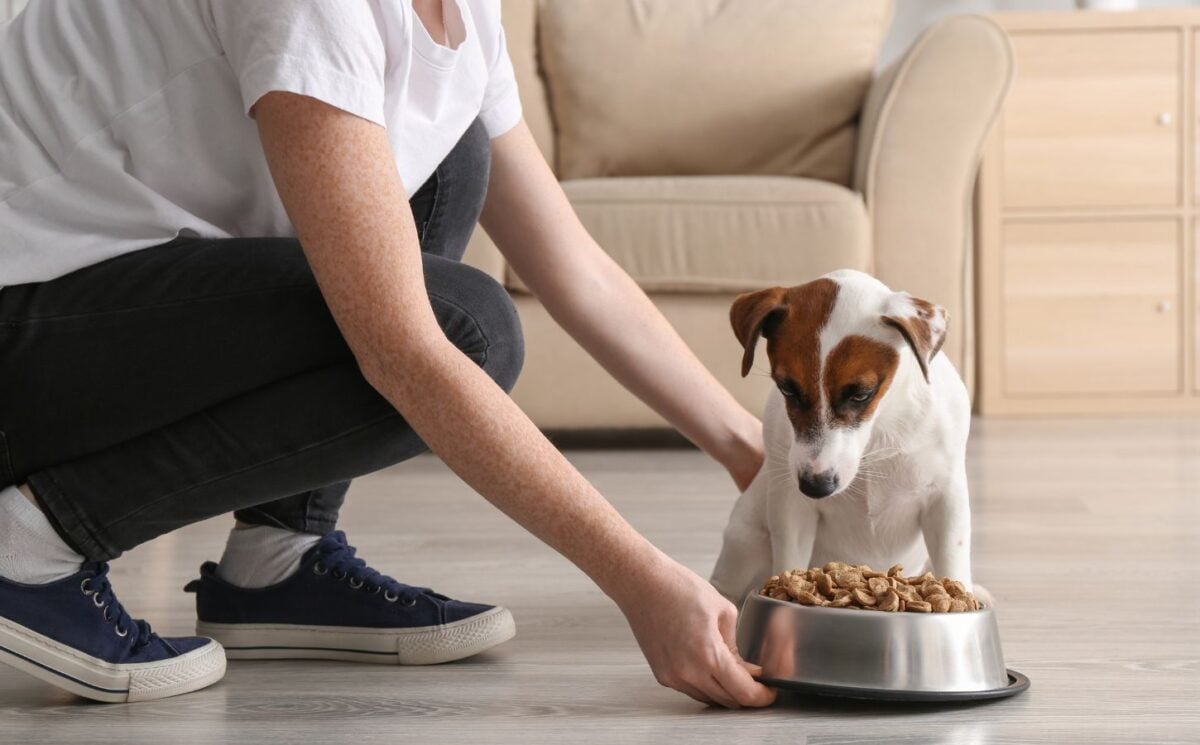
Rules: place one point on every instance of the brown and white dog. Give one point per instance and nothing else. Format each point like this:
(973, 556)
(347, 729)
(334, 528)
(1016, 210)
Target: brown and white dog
(865, 436)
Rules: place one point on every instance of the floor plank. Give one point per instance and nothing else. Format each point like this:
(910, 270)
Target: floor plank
(1087, 531)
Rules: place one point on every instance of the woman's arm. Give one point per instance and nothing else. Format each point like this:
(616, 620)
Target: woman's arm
(337, 178)
(530, 219)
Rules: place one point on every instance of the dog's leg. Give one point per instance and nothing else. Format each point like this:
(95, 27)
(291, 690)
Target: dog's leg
(946, 524)
(745, 560)
(792, 521)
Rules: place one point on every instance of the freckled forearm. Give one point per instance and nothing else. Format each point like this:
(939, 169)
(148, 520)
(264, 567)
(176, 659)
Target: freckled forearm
(337, 179)
(494, 448)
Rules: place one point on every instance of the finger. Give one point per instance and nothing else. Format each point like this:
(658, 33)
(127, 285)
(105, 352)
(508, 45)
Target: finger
(755, 671)
(726, 628)
(750, 667)
(718, 694)
(734, 674)
(737, 683)
(693, 692)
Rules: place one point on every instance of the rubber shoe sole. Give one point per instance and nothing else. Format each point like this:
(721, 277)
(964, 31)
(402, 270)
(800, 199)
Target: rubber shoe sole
(93, 678)
(424, 645)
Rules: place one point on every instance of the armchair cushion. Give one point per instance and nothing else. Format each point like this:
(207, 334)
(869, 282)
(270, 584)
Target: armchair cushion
(722, 234)
(662, 87)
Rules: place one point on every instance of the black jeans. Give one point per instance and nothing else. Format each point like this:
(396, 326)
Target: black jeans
(200, 377)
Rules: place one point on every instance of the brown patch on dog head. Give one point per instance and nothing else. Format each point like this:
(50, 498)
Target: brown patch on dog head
(924, 329)
(791, 319)
(858, 366)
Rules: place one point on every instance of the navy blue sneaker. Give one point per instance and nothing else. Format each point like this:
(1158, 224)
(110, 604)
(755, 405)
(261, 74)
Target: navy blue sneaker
(336, 607)
(73, 633)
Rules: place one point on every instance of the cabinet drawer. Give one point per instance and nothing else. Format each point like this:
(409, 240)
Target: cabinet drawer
(1092, 307)
(1093, 120)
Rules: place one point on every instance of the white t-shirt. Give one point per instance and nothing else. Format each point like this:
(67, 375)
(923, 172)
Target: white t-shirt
(124, 123)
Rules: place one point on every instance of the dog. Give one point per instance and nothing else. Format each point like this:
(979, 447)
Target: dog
(865, 437)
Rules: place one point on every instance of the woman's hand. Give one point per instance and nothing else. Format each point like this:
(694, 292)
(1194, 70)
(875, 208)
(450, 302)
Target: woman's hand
(686, 631)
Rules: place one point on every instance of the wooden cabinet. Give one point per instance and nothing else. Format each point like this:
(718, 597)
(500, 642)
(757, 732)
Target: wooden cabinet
(1086, 106)
(1091, 308)
(1087, 215)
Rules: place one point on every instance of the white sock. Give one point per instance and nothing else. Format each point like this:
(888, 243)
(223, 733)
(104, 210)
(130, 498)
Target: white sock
(261, 555)
(30, 550)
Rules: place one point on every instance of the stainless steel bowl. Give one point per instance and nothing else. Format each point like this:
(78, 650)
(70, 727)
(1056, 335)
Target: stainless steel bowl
(870, 654)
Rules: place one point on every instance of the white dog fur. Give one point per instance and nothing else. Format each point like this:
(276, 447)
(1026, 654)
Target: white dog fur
(902, 497)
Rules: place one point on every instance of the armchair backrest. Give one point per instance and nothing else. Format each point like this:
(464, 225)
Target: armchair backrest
(671, 87)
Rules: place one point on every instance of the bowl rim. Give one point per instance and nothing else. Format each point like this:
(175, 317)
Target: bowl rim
(1017, 683)
(885, 614)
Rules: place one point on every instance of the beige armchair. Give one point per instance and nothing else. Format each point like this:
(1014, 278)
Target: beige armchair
(884, 186)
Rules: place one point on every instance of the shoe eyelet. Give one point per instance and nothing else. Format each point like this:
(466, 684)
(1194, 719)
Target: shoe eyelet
(106, 613)
(358, 586)
(390, 596)
(320, 570)
(408, 602)
(96, 601)
(375, 590)
(339, 575)
(121, 632)
(83, 586)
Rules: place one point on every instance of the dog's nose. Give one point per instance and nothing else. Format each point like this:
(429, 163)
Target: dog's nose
(818, 485)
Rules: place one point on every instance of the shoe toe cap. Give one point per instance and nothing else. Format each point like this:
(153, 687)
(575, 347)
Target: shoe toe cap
(185, 644)
(457, 610)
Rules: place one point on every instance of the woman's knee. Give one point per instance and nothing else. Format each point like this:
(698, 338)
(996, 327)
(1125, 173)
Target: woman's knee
(479, 317)
(506, 353)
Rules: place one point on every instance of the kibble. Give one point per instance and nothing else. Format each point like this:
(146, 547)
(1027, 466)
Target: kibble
(841, 585)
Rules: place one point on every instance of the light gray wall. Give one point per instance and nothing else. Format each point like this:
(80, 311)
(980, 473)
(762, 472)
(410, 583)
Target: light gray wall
(9, 8)
(914, 16)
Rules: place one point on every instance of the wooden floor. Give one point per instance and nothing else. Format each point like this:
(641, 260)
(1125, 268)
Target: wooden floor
(1087, 532)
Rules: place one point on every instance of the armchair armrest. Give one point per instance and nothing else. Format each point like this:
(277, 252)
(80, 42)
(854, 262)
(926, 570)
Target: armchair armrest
(923, 126)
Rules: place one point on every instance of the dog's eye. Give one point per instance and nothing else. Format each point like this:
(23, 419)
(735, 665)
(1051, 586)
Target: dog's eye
(794, 395)
(860, 397)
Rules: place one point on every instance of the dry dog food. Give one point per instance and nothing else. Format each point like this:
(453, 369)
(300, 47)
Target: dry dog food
(840, 585)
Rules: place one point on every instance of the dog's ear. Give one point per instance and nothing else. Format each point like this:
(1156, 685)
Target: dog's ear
(921, 323)
(754, 314)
